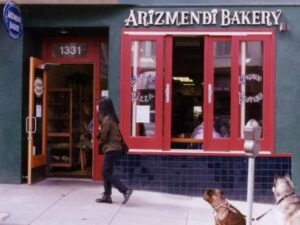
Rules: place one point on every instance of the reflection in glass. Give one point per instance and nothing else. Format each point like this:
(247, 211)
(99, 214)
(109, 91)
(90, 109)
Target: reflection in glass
(143, 76)
(222, 89)
(251, 82)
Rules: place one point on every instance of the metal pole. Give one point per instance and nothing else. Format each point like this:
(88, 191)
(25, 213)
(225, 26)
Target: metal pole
(250, 188)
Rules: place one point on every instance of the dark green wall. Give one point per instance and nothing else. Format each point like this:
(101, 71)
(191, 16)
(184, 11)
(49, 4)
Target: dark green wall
(11, 78)
(287, 135)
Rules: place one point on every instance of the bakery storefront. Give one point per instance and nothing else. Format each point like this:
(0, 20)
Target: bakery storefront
(184, 80)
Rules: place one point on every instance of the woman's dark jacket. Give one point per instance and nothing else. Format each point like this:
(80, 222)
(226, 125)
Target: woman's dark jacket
(109, 135)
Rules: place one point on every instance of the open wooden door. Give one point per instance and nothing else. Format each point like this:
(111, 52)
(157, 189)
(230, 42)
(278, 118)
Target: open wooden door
(36, 121)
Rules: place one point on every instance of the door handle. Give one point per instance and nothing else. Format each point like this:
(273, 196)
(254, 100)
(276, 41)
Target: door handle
(167, 93)
(210, 93)
(26, 124)
(33, 125)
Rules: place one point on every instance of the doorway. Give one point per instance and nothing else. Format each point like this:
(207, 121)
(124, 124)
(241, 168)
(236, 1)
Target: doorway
(69, 76)
(69, 111)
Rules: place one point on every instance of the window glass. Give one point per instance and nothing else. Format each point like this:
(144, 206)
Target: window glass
(251, 82)
(143, 76)
(222, 89)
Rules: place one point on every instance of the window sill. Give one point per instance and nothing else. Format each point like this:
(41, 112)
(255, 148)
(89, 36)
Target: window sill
(201, 152)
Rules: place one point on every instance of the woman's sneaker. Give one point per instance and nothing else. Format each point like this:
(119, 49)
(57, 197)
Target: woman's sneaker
(104, 199)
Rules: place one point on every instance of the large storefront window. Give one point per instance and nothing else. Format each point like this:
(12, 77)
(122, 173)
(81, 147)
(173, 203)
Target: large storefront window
(198, 92)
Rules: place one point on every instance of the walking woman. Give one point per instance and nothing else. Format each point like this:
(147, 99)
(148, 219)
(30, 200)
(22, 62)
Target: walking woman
(110, 140)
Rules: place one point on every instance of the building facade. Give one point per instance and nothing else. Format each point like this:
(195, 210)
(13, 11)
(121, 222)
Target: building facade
(170, 68)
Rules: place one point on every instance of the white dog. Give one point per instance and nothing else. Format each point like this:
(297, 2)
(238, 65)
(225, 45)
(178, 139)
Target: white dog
(287, 202)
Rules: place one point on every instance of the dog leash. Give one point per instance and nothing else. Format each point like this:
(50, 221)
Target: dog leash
(277, 203)
(227, 205)
(262, 215)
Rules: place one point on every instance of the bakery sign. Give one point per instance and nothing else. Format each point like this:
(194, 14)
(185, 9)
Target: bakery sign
(12, 20)
(222, 17)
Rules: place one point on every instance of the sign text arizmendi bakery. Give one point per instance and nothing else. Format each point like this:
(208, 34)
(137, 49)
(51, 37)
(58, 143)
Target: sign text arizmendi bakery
(224, 17)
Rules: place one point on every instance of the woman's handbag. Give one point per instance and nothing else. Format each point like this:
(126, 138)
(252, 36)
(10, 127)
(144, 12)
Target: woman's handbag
(125, 147)
(101, 148)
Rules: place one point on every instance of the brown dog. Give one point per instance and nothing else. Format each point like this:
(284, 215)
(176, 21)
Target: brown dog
(287, 202)
(225, 213)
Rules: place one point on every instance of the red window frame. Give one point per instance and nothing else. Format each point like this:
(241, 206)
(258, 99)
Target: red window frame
(235, 142)
(211, 143)
(142, 142)
(267, 141)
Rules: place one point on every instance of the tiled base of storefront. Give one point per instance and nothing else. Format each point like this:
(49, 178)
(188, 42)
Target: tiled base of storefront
(191, 175)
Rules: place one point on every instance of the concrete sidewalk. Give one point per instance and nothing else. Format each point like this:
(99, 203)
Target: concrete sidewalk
(72, 202)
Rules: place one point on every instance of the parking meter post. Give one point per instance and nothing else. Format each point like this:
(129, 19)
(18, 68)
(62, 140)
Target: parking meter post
(252, 134)
(250, 188)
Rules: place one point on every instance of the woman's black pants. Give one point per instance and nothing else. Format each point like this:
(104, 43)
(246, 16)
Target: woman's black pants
(107, 172)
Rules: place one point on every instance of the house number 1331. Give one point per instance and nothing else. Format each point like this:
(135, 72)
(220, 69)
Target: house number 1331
(70, 50)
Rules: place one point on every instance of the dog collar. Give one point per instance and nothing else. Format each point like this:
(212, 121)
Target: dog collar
(224, 204)
(284, 197)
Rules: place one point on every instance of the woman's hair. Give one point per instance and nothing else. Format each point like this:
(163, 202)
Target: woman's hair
(106, 108)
